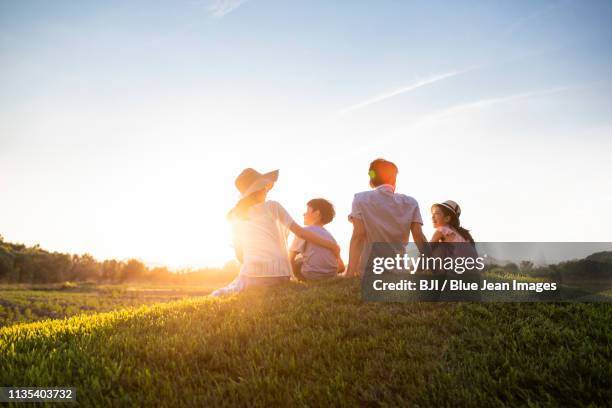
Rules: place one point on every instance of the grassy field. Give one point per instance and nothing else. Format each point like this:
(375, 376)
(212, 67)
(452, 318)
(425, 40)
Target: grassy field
(320, 345)
(532, 354)
(30, 303)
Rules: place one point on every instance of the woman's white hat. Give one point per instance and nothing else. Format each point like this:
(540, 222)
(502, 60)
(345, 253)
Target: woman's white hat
(250, 181)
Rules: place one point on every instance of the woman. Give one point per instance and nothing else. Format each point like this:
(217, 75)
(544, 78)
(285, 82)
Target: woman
(260, 229)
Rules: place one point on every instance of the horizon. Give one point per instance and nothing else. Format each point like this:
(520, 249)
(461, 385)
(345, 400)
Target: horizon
(122, 126)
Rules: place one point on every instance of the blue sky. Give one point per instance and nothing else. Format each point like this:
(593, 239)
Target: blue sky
(123, 124)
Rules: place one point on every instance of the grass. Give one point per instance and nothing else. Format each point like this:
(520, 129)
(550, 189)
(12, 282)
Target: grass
(290, 345)
(29, 303)
(526, 354)
(318, 345)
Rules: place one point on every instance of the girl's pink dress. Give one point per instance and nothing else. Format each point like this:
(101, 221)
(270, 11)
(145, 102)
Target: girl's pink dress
(450, 234)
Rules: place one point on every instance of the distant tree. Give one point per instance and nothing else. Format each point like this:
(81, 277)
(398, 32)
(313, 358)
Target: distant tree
(85, 267)
(511, 267)
(6, 262)
(19, 263)
(111, 270)
(605, 257)
(526, 266)
(133, 270)
(60, 266)
(160, 274)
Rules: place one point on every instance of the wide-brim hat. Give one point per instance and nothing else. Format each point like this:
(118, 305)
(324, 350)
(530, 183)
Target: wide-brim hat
(452, 206)
(250, 181)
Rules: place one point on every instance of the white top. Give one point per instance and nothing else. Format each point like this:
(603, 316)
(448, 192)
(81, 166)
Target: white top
(450, 234)
(262, 237)
(386, 215)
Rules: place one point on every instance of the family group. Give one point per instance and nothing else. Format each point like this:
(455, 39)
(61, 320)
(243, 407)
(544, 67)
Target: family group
(261, 227)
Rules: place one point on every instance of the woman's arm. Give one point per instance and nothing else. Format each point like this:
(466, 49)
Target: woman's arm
(314, 238)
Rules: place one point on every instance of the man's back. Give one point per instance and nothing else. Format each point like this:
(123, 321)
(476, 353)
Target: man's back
(386, 216)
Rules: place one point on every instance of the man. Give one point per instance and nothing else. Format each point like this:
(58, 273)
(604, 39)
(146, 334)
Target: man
(382, 215)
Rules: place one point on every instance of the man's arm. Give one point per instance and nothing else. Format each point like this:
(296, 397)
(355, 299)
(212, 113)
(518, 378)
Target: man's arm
(314, 238)
(357, 241)
(419, 238)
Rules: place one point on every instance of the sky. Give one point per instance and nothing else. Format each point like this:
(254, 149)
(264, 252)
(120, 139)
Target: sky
(123, 124)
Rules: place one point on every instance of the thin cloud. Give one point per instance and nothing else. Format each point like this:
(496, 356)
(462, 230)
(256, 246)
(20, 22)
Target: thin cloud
(409, 88)
(221, 8)
(484, 103)
(479, 104)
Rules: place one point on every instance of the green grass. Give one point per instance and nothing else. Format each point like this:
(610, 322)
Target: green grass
(319, 345)
(526, 354)
(288, 345)
(29, 303)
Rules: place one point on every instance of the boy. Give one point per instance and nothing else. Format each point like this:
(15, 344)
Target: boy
(316, 262)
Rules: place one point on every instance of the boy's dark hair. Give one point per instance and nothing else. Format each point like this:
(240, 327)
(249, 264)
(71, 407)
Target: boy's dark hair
(382, 172)
(325, 208)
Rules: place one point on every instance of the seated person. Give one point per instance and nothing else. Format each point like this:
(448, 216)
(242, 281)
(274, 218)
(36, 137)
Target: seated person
(383, 220)
(315, 262)
(260, 228)
(445, 218)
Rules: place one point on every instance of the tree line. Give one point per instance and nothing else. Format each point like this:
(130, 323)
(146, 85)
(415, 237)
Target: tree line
(22, 264)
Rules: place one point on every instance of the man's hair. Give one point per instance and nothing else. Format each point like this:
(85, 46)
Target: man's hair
(382, 172)
(325, 208)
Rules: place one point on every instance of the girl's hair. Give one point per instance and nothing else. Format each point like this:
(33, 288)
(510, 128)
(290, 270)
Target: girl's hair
(241, 208)
(454, 222)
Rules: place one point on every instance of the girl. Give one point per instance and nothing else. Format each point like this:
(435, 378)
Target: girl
(260, 229)
(445, 217)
